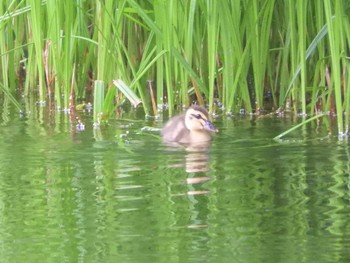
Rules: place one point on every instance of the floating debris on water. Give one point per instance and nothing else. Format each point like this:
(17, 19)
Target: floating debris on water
(150, 129)
(124, 134)
(66, 110)
(89, 107)
(41, 103)
(80, 126)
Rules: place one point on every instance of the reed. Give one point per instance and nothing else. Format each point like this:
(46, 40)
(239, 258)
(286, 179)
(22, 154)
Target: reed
(3, 46)
(227, 55)
(99, 93)
(212, 39)
(36, 22)
(335, 37)
(301, 23)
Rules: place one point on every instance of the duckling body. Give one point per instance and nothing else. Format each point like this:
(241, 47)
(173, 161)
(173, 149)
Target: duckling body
(192, 127)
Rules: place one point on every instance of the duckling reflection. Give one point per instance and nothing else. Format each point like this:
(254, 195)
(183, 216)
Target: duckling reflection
(193, 131)
(196, 161)
(191, 128)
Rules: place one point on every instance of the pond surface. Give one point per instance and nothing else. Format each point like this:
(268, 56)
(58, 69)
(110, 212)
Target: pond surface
(117, 194)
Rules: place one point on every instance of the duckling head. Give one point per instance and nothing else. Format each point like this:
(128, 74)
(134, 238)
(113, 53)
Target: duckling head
(196, 119)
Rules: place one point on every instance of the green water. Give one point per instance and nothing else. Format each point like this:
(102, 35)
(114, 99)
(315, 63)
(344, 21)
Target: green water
(117, 194)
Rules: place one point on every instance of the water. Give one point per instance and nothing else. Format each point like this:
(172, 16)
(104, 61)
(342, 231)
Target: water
(117, 194)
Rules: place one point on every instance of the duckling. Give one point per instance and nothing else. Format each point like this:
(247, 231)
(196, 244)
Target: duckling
(192, 127)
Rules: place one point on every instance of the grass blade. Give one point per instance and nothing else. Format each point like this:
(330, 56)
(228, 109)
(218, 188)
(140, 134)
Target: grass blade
(99, 91)
(297, 126)
(127, 92)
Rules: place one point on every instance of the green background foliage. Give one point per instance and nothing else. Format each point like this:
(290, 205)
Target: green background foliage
(229, 55)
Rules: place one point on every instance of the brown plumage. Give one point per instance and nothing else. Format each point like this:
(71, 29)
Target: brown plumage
(191, 127)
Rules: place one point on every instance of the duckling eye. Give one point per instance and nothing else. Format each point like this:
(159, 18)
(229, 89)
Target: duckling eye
(197, 116)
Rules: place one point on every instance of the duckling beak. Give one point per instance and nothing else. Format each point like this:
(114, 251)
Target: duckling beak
(209, 126)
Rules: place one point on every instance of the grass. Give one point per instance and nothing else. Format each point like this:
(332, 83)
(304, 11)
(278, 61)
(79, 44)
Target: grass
(227, 55)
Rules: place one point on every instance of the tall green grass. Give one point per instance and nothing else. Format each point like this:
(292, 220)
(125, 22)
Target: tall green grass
(335, 36)
(254, 55)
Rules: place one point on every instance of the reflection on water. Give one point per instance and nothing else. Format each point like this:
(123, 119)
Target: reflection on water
(196, 164)
(118, 194)
(197, 160)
